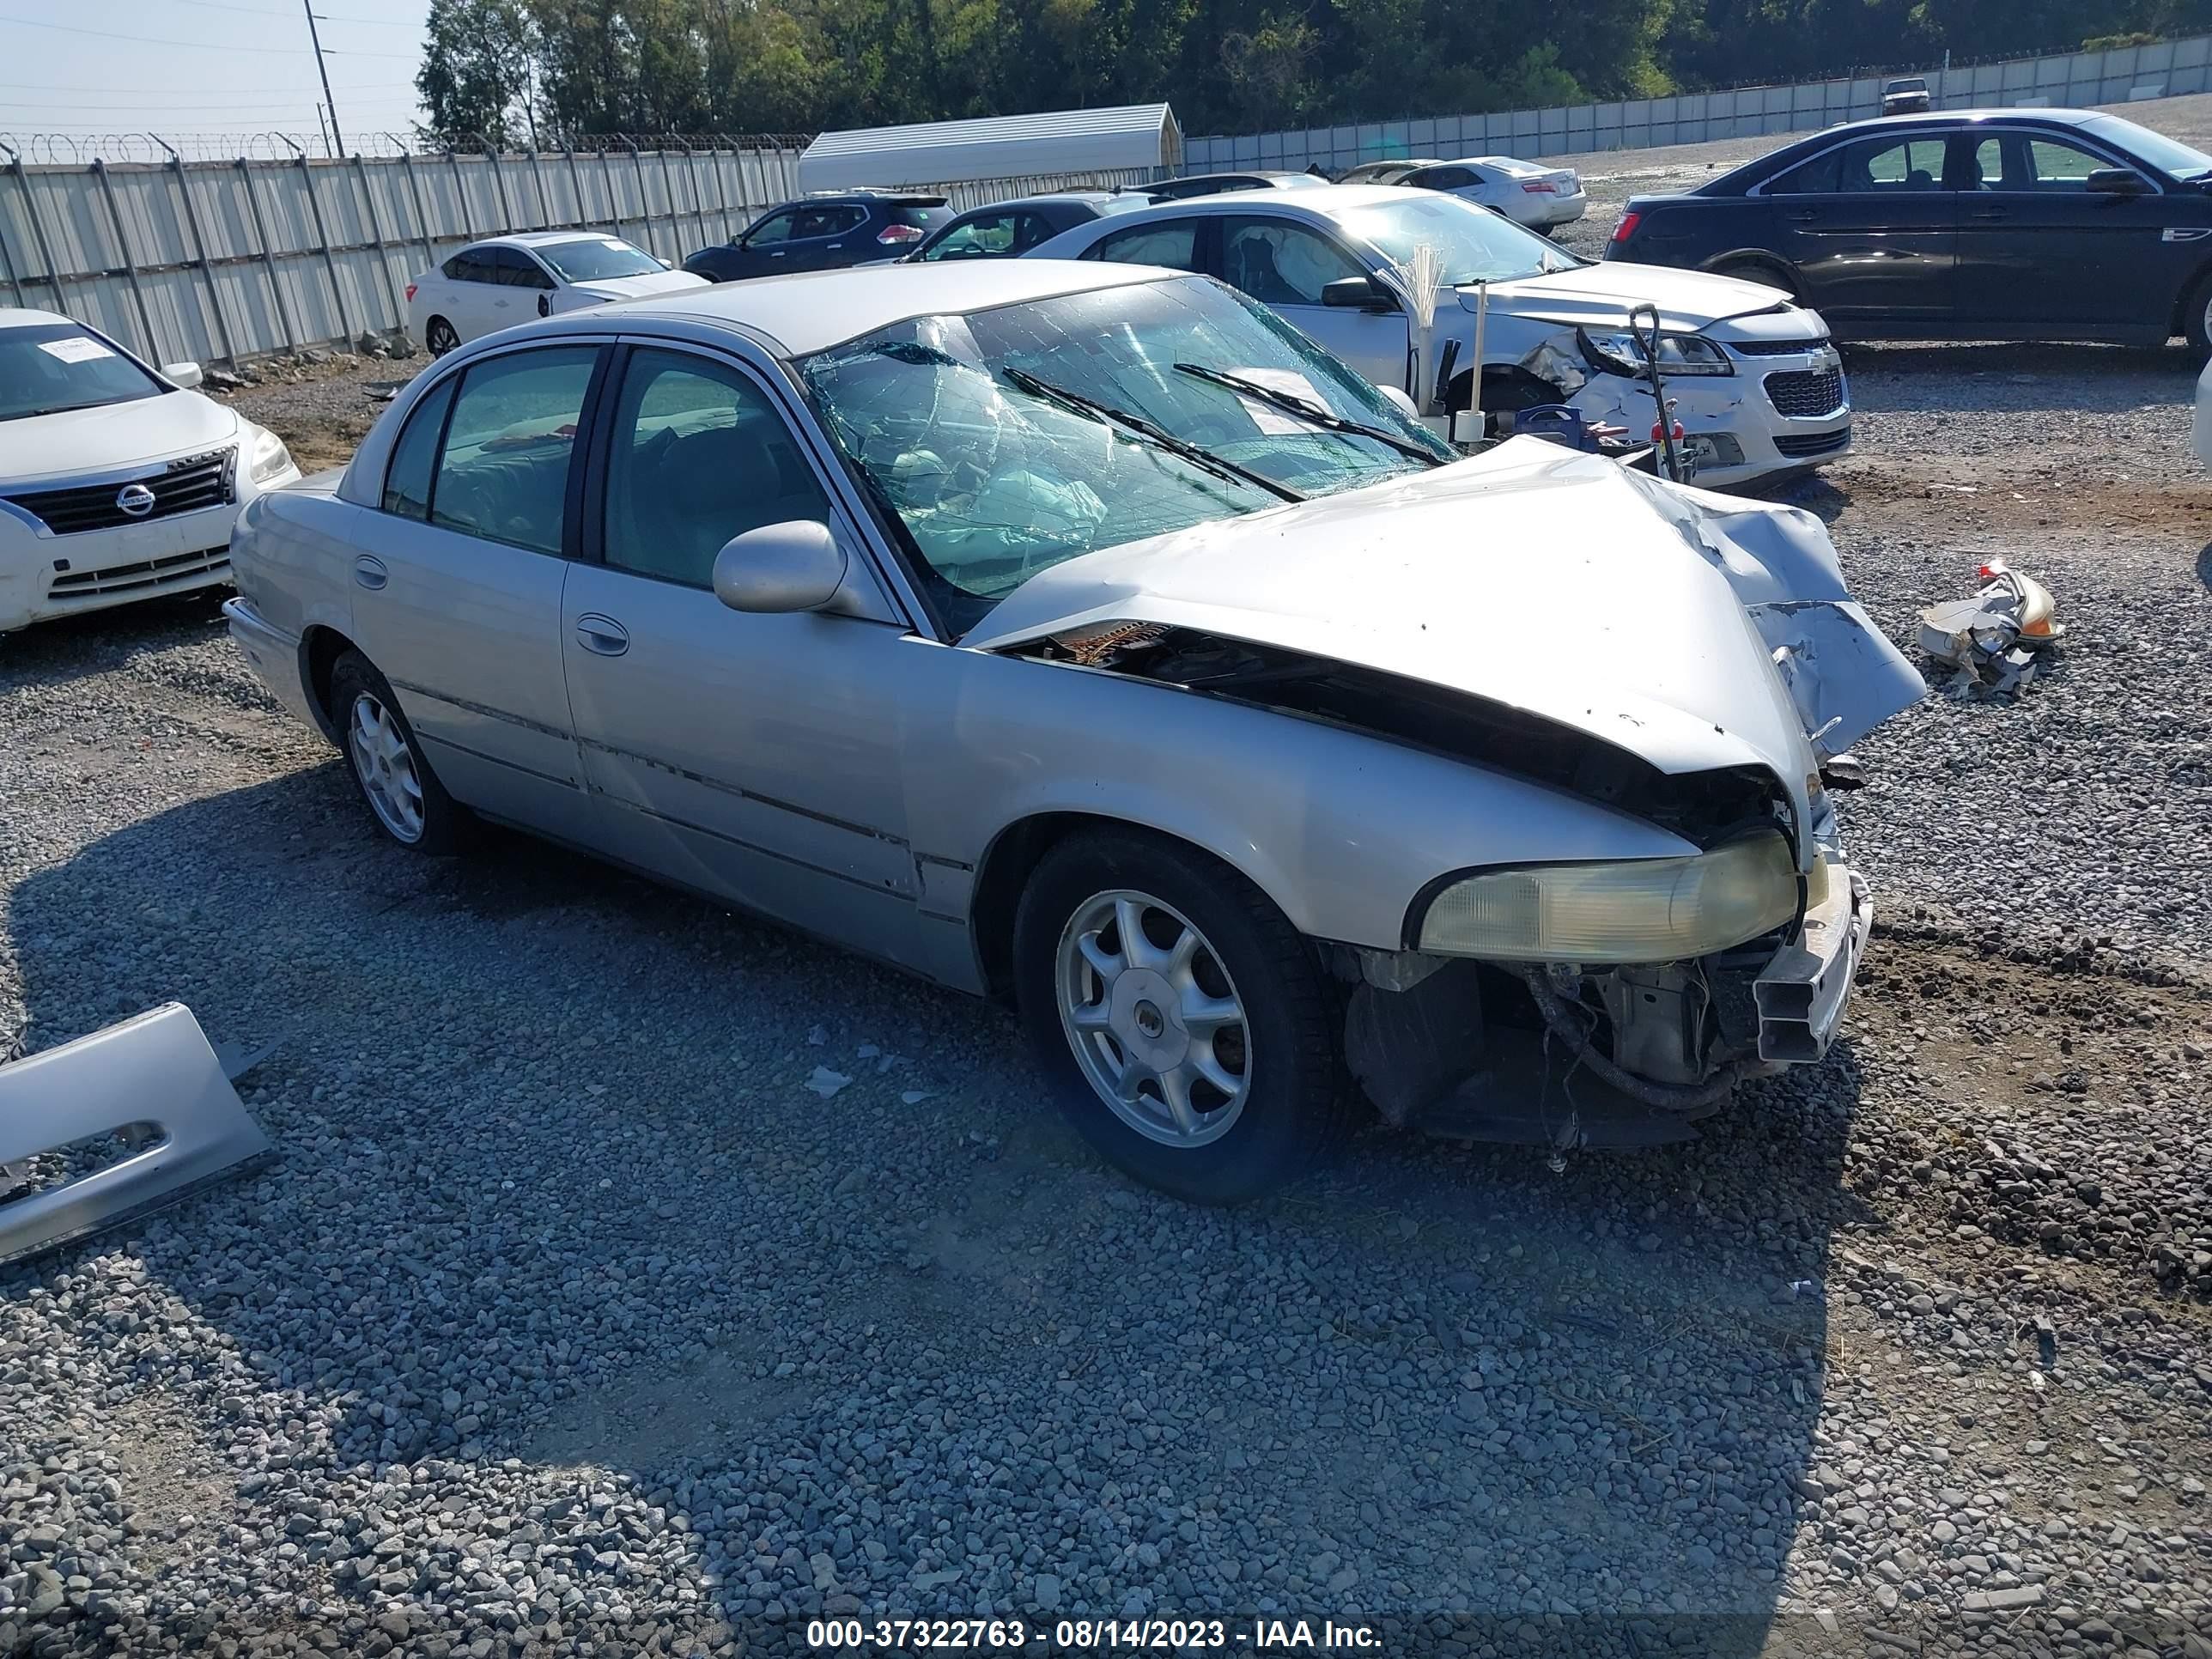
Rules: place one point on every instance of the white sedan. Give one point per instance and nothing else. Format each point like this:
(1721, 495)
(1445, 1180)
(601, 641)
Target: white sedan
(117, 482)
(1750, 376)
(1538, 197)
(505, 280)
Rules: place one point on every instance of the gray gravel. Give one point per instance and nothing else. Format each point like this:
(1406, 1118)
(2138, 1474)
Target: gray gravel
(574, 1320)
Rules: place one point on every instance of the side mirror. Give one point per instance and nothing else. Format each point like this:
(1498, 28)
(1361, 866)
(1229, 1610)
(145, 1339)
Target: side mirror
(1398, 400)
(2116, 181)
(186, 375)
(1358, 293)
(797, 565)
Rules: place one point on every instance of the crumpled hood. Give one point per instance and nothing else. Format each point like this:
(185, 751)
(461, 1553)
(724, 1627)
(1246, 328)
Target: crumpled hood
(1536, 578)
(78, 441)
(636, 287)
(1602, 295)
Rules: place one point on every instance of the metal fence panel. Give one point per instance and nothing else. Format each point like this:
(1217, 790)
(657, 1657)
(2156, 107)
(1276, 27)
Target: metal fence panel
(212, 261)
(2167, 68)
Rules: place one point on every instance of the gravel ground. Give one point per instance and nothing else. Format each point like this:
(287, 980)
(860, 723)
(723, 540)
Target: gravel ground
(572, 1321)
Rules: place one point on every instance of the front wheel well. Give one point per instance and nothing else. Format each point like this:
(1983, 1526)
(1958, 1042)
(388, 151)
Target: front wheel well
(1004, 874)
(1505, 387)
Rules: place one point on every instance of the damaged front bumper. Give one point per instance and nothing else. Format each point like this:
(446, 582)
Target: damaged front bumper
(1563, 1055)
(1804, 988)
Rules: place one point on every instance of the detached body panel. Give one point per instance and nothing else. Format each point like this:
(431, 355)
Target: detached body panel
(156, 1070)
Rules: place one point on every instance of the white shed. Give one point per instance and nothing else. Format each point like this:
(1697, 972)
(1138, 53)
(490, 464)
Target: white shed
(1139, 139)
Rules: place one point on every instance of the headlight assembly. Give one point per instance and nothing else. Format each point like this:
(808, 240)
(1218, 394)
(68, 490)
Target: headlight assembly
(268, 459)
(1622, 351)
(1646, 910)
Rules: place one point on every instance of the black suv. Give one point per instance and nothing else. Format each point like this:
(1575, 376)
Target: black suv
(822, 232)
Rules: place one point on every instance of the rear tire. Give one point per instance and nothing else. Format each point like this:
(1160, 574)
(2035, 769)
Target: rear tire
(1760, 270)
(440, 337)
(389, 768)
(1204, 1061)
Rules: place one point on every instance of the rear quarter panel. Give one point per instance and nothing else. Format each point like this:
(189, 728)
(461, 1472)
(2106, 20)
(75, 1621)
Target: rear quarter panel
(290, 554)
(1690, 232)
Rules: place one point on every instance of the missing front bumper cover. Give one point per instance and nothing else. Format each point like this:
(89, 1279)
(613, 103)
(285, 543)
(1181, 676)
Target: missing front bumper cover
(155, 1072)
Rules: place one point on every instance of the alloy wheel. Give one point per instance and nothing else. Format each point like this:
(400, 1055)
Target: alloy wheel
(440, 337)
(386, 766)
(1156, 1023)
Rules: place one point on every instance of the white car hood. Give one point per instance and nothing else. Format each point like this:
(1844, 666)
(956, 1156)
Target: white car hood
(81, 442)
(1536, 578)
(636, 287)
(1688, 301)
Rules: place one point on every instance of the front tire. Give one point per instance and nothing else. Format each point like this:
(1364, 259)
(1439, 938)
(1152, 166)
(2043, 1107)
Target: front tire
(2196, 315)
(1187, 1030)
(388, 767)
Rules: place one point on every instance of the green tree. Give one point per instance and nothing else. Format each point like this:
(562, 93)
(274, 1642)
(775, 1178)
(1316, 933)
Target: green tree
(476, 82)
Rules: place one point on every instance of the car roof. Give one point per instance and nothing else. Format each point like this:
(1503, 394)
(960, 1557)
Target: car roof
(808, 311)
(29, 317)
(1320, 199)
(548, 239)
(1046, 199)
(1966, 117)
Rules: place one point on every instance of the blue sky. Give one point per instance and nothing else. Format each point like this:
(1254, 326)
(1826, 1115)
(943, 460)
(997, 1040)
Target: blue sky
(197, 66)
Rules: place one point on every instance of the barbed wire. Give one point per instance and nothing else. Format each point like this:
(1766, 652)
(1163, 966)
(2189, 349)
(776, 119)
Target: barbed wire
(81, 149)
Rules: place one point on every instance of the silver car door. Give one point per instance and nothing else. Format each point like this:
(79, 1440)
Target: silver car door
(456, 582)
(751, 755)
(1284, 265)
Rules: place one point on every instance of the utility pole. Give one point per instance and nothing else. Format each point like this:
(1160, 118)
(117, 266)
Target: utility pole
(308, 6)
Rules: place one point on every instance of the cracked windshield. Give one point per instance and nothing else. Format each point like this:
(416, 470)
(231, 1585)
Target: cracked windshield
(1008, 440)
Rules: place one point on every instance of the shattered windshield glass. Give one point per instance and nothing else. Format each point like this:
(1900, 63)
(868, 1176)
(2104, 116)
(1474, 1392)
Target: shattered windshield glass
(1472, 243)
(995, 481)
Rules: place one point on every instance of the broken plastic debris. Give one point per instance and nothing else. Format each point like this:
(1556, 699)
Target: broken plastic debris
(825, 1082)
(818, 1036)
(914, 1096)
(154, 1086)
(1994, 640)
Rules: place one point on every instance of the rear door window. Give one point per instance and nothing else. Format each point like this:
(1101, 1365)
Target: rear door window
(407, 478)
(1174, 244)
(470, 265)
(503, 468)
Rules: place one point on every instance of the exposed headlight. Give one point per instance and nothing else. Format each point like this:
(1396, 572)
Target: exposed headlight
(268, 458)
(1648, 910)
(1623, 352)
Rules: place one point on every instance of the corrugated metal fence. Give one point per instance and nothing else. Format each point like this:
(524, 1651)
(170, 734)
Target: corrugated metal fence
(216, 261)
(2071, 80)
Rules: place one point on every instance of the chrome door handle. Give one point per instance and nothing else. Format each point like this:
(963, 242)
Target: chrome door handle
(370, 572)
(1988, 213)
(602, 635)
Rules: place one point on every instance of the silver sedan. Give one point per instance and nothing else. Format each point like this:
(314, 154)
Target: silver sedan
(1080, 633)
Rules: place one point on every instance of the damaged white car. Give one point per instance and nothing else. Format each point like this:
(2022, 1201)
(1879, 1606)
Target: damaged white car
(1084, 635)
(1752, 379)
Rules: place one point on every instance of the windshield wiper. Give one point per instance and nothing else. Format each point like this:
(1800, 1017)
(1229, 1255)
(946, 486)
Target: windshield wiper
(1025, 381)
(1312, 413)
